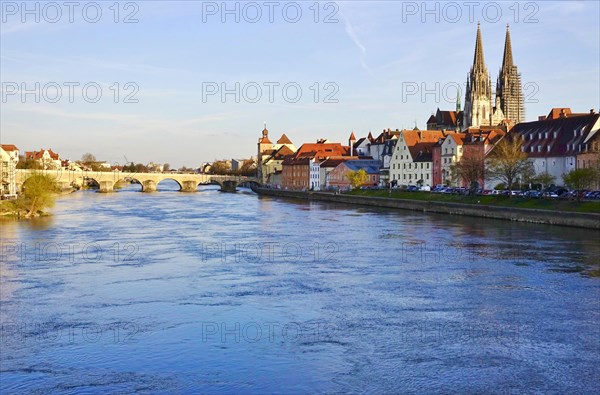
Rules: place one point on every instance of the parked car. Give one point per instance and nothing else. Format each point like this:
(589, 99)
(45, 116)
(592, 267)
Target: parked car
(412, 188)
(532, 193)
(550, 195)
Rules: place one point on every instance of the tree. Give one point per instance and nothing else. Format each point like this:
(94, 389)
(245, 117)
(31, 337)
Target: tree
(220, 167)
(88, 158)
(358, 178)
(28, 164)
(248, 168)
(469, 170)
(140, 168)
(166, 167)
(38, 194)
(507, 162)
(543, 180)
(580, 179)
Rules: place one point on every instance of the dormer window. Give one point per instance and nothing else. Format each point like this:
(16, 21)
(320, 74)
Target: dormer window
(555, 134)
(548, 149)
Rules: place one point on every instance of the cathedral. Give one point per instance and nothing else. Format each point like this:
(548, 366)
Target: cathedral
(508, 106)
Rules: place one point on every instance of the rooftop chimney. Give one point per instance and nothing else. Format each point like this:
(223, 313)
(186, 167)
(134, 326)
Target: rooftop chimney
(592, 111)
(542, 118)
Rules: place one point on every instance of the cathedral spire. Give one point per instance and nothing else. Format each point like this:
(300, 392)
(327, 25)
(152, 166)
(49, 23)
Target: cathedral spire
(478, 62)
(507, 61)
(508, 87)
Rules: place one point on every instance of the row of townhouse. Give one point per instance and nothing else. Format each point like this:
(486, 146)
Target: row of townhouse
(556, 143)
(302, 171)
(561, 141)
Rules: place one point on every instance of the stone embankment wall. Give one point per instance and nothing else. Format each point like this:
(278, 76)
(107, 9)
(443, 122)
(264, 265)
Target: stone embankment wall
(580, 220)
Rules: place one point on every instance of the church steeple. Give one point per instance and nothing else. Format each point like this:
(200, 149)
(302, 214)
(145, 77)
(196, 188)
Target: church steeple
(478, 61)
(508, 88)
(507, 60)
(478, 99)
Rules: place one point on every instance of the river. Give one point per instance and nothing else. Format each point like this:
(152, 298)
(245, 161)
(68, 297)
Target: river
(233, 293)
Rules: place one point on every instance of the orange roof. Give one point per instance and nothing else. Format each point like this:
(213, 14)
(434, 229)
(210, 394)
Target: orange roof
(9, 147)
(284, 140)
(321, 150)
(281, 153)
(458, 138)
(39, 154)
(421, 141)
(264, 140)
(352, 137)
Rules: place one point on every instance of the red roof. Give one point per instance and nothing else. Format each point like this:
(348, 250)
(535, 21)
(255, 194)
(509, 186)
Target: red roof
(352, 137)
(420, 142)
(284, 140)
(281, 153)
(9, 147)
(39, 154)
(564, 136)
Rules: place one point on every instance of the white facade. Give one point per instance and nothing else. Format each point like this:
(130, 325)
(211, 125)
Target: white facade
(556, 166)
(451, 152)
(315, 175)
(8, 168)
(405, 170)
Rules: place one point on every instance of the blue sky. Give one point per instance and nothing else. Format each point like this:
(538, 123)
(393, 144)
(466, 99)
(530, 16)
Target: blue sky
(371, 54)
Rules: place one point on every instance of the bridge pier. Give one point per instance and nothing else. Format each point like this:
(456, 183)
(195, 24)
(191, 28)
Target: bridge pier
(106, 186)
(149, 186)
(189, 186)
(229, 186)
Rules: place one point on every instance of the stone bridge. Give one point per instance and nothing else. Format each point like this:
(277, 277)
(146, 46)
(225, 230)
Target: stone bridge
(107, 180)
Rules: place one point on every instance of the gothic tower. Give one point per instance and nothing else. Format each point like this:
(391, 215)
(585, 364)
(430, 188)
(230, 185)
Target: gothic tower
(508, 87)
(478, 98)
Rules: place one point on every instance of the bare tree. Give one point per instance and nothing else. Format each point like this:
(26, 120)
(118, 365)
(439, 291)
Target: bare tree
(507, 162)
(469, 170)
(88, 158)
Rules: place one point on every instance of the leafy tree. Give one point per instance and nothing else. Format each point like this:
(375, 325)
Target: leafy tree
(166, 167)
(358, 178)
(507, 162)
(580, 179)
(248, 168)
(141, 168)
(129, 168)
(220, 167)
(543, 180)
(38, 194)
(88, 158)
(469, 170)
(31, 164)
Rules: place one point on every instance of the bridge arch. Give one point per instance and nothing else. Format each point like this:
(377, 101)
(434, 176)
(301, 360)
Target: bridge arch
(179, 183)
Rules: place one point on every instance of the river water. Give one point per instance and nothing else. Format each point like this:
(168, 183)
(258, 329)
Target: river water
(235, 293)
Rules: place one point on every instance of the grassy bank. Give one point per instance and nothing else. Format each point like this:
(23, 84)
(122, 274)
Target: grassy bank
(500, 201)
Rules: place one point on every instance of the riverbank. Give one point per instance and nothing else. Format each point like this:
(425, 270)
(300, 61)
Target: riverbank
(540, 216)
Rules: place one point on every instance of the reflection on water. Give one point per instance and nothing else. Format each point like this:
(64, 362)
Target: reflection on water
(221, 293)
